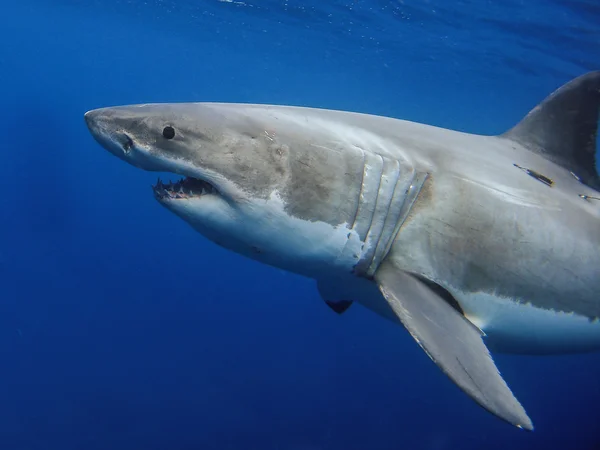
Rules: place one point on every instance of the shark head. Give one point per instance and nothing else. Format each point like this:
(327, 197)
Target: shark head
(253, 179)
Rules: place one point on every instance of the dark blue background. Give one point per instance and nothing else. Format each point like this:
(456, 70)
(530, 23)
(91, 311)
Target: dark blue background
(122, 328)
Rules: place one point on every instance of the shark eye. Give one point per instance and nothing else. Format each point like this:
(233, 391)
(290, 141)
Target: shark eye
(169, 132)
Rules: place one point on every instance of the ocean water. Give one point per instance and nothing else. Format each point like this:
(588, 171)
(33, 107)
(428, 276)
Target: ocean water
(122, 328)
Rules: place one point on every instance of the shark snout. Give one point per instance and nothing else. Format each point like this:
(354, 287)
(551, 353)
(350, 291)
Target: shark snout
(98, 125)
(105, 131)
(90, 117)
(95, 121)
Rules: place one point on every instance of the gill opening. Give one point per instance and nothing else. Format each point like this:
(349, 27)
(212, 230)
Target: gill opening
(389, 189)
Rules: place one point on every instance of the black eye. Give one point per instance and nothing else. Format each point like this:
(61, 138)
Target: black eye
(169, 132)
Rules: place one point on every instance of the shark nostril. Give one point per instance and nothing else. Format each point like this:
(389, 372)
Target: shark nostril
(127, 143)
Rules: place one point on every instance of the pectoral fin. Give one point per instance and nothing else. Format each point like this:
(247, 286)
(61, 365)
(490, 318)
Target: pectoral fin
(451, 341)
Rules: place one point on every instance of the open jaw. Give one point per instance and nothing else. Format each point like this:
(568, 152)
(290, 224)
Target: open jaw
(185, 188)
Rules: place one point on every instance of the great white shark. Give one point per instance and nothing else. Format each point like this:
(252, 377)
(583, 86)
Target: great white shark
(463, 239)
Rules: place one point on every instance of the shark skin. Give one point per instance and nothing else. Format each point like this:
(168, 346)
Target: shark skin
(468, 241)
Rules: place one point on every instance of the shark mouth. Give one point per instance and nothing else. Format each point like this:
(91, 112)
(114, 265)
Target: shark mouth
(185, 188)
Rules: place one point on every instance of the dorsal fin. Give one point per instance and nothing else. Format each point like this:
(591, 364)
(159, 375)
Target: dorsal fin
(563, 128)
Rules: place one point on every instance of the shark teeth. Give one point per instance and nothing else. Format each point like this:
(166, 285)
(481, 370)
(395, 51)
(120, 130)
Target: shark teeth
(183, 189)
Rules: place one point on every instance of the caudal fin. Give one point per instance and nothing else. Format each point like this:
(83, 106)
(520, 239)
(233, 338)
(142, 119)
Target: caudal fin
(564, 127)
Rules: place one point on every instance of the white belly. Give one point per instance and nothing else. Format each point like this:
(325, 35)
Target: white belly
(516, 328)
(510, 327)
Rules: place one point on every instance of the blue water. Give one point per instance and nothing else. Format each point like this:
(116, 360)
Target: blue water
(122, 328)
